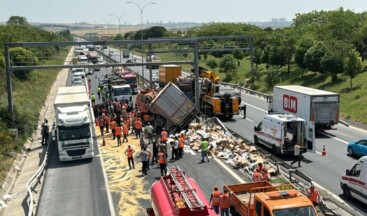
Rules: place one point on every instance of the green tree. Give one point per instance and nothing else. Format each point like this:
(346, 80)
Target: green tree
(212, 64)
(22, 57)
(17, 20)
(254, 75)
(302, 47)
(272, 77)
(228, 65)
(352, 65)
(314, 57)
(238, 55)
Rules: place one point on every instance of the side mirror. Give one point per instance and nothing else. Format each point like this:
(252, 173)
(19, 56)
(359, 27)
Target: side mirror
(347, 172)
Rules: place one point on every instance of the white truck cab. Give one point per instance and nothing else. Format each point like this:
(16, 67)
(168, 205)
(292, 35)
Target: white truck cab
(281, 132)
(121, 92)
(354, 181)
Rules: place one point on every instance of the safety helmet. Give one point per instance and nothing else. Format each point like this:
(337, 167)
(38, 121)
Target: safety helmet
(215, 187)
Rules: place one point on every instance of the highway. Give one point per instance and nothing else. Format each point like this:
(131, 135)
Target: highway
(74, 188)
(324, 170)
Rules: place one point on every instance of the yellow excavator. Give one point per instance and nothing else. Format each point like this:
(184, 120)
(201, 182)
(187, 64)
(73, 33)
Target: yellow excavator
(213, 101)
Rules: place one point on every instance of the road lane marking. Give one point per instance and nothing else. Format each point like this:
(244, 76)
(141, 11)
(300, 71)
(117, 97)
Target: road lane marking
(247, 118)
(229, 170)
(256, 108)
(340, 140)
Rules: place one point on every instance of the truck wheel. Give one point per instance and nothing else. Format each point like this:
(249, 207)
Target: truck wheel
(346, 192)
(350, 151)
(256, 140)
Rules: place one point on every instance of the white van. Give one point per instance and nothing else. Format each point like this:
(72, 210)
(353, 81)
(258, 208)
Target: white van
(280, 132)
(354, 181)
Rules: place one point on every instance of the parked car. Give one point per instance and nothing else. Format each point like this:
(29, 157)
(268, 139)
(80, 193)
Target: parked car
(357, 148)
(78, 83)
(76, 78)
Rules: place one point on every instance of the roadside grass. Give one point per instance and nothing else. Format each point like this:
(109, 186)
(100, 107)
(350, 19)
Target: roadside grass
(29, 97)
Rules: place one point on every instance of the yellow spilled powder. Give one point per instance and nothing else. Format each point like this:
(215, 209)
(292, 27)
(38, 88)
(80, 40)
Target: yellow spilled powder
(128, 184)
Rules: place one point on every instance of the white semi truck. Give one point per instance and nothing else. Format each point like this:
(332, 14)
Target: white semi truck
(73, 126)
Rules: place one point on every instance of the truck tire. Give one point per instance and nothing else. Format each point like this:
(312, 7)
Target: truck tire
(256, 140)
(346, 192)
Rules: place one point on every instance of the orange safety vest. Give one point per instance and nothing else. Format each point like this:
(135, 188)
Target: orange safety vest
(113, 125)
(161, 158)
(101, 122)
(138, 124)
(118, 131)
(216, 198)
(313, 195)
(164, 135)
(265, 175)
(256, 177)
(107, 120)
(125, 129)
(224, 201)
(181, 142)
(130, 152)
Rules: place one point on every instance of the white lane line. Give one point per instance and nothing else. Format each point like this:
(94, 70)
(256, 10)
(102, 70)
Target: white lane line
(256, 108)
(229, 170)
(340, 140)
(247, 118)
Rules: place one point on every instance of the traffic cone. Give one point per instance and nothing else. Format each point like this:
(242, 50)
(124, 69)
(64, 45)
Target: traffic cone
(323, 151)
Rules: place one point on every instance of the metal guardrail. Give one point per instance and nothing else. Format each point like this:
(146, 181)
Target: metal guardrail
(248, 91)
(36, 179)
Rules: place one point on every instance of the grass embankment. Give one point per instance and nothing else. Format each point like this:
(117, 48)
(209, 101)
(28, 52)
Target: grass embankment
(28, 98)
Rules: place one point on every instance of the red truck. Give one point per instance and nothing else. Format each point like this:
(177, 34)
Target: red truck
(178, 195)
(130, 79)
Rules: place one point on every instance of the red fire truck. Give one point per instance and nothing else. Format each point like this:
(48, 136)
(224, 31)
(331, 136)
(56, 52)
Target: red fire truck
(178, 195)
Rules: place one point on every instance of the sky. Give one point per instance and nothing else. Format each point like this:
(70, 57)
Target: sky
(100, 11)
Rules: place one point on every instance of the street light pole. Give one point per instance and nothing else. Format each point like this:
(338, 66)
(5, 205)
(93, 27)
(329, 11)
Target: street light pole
(141, 29)
(119, 19)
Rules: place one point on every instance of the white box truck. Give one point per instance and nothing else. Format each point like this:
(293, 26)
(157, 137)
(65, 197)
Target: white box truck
(73, 124)
(354, 181)
(281, 132)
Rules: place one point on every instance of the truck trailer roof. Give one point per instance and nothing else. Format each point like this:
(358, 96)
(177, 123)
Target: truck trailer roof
(306, 90)
(71, 99)
(71, 90)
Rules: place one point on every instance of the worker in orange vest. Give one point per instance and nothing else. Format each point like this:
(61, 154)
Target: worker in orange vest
(313, 195)
(107, 123)
(256, 176)
(262, 170)
(164, 135)
(162, 160)
(113, 128)
(125, 131)
(130, 159)
(138, 125)
(181, 145)
(118, 135)
(101, 124)
(215, 199)
(224, 203)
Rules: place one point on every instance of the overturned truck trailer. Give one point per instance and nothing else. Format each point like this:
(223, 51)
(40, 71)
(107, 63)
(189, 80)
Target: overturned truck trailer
(174, 106)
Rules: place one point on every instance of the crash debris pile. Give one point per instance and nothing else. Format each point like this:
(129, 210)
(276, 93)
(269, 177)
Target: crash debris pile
(234, 151)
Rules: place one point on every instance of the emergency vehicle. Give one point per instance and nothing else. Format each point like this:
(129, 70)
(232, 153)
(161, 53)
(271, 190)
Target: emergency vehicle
(281, 132)
(354, 181)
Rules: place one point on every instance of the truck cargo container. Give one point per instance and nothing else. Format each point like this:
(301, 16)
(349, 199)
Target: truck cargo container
(178, 195)
(168, 73)
(174, 106)
(264, 199)
(73, 124)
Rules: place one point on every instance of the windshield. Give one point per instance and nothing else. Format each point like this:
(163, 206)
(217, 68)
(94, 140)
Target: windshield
(73, 133)
(301, 211)
(130, 80)
(121, 91)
